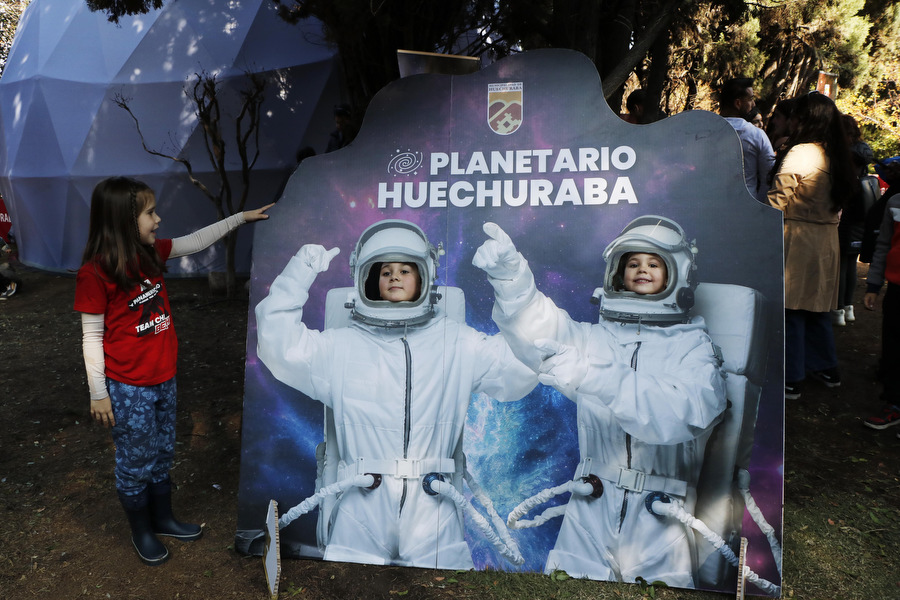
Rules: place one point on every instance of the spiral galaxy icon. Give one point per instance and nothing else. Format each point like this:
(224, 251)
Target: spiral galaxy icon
(405, 163)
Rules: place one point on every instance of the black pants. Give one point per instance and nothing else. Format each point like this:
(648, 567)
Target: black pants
(847, 284)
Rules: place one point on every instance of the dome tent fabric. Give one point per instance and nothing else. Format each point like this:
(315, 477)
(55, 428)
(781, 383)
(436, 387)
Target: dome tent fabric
(62, 131)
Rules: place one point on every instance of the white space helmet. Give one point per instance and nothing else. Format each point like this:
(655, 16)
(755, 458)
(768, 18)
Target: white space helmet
(653, 235)
(392, 240)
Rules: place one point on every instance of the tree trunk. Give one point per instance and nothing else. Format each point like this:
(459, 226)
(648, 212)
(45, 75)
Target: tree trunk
(619, 74)
(656, 80)
(230, 271)
(615, 39)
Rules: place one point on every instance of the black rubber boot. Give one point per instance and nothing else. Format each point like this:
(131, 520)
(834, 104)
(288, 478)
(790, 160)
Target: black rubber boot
(151, 551)
(162, 519)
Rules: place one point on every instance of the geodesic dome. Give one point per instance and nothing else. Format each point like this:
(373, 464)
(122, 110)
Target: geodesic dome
(62, 131)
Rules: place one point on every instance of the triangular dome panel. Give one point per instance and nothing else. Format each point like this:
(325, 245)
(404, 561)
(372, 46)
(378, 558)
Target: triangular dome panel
(52, 22)
(15, 103)
(100, 46)
(40, 220)
(72, 108)
(61, 125)
(38, 154)
(113, 144)
(170, 50)
(27, 37)
(272, 43)
(77, 220)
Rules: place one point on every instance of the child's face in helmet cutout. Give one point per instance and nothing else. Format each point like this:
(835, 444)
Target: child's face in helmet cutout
(399, 282)
(645, 273)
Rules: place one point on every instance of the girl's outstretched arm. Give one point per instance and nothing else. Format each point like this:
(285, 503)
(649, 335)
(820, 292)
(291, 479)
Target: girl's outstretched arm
(209, 235)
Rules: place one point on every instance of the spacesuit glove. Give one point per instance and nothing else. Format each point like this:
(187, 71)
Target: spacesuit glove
(563, 367)
(498, 256)
(316, 257)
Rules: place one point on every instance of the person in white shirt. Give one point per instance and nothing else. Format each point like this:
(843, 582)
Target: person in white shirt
(736, 101)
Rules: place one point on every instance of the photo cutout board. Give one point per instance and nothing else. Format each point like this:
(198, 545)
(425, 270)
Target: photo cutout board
(657, 425)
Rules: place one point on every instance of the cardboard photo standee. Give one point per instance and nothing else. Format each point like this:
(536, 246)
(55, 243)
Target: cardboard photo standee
(530, 144)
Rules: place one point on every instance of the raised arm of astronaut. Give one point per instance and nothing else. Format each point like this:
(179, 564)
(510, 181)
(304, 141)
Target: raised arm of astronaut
(284, 344)
(523, 314)
(657, 406)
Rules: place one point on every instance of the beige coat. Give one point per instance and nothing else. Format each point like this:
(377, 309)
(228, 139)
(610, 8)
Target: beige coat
(802, 190)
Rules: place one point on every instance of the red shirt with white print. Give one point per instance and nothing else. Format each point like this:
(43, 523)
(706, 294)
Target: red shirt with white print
(139, 342)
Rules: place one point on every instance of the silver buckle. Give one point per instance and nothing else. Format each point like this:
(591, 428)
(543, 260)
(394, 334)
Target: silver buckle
(631, 480)
(406, 468)
(585, 468)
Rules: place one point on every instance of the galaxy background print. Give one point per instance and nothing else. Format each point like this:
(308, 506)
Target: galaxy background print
(563, 183)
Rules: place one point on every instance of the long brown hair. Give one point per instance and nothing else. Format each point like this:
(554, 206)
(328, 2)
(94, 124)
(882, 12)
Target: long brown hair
(819, 122)
(113, 238)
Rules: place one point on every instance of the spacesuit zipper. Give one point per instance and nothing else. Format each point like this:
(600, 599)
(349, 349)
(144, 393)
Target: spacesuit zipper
(407, 417)
(634, 364)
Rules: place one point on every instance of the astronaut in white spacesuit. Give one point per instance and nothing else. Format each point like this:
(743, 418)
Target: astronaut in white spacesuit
(399, 380)
(649, 390)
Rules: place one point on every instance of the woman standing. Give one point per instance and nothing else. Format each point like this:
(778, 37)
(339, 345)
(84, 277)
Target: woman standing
(813, 178)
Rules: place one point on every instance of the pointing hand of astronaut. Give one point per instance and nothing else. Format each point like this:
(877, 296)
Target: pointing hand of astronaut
(562, 366)
(316, 257)
(498, 256)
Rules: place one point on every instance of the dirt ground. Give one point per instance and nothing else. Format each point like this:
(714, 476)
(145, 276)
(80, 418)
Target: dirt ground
(63, 535)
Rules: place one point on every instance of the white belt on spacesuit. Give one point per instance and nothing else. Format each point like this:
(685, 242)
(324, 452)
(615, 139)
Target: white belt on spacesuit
(631, 479)
(403, 468)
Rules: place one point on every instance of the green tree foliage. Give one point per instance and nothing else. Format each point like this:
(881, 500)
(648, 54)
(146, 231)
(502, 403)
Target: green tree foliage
(679, 51)
(625, 37)
(875, 101)
(709, 43)
(368, 34)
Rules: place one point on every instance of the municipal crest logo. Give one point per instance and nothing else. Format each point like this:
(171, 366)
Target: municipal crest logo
(505, 107)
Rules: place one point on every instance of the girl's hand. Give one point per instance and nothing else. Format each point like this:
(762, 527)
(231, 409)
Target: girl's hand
(258, 214)
(102, 411)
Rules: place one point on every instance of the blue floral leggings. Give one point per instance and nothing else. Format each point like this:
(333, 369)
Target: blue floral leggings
(144, 433)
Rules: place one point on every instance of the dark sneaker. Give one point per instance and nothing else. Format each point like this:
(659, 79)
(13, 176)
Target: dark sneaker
(791, 390)
(889, 417)
(829, 377)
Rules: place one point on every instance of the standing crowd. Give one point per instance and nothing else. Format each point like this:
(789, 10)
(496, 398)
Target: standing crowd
(813, 165)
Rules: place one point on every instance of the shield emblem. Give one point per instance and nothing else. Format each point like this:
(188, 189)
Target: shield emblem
(505, 107)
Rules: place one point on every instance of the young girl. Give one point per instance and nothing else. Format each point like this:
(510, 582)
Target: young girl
(648, 387)
(399, 380)
(397, 282)
(130, 349)
(643, 273)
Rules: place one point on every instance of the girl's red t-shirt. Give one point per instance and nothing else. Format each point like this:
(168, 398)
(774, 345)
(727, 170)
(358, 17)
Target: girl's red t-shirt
(139, 341)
